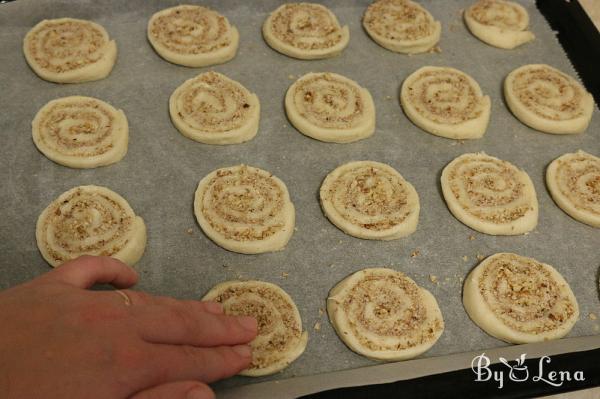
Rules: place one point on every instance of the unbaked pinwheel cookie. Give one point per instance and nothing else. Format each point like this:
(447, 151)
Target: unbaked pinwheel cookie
(68, 50)
(548, 100)
(446, 102)
(306, 31)
(245, 209)
(280, 338)
(574, 183)
(384, 315)
(330, 107)
(402, 26)
(370, 200)
(213, 109)
(499, 23)
(90, 220)
(192, 36)
(519, 300)
(81, 132)
(490, 195)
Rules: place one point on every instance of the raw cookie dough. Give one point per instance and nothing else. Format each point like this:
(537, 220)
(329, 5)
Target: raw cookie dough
(245, 209)
(384, 315)
(490, 195)
(192, 36)
(280, 338)
(370, 200)
(402, 26)
(499, 23)
(574, 183)
(68, 50)
(306, 31)
(446, 102)
(548, 100)
(330, 107)
(213, 109)
(519, 300)
(81, 132)
(90, 220)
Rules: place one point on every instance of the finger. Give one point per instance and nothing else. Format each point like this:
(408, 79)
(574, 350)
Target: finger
(180, 325)
(177, 390)
(86, 271)
(200, 306)
(184, 362)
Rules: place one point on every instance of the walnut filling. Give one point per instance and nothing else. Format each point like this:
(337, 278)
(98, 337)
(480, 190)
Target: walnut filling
(279, 328)
(524, 295)
(548, 93)
(191, 30)
(85, 222)
(501, 14)
(330, 102)
(445, 97)
(578, 179)
(370, 197)
(306, 26)
(66, 46)
(244, 204)
(214, 104)
(398, 20)
(389, 306)
(78, 128)
(490, 189)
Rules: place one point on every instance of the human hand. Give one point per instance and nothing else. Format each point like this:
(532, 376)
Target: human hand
(60, 340)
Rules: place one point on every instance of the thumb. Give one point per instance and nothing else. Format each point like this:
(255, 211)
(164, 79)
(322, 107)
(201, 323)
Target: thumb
(177, 390)
(86, 271)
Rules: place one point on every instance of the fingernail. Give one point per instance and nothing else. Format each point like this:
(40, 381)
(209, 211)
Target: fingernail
(242, 350)
(213, 307)
(198, 393)
(249, 323)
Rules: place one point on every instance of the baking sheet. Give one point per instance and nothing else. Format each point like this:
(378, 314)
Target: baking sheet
(160, 173)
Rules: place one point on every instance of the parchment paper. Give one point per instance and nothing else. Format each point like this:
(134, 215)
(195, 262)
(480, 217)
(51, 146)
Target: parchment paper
(162, 168)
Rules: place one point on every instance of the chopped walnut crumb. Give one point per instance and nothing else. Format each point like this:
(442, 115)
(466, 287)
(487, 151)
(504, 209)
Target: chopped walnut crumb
(284, 275)
(291, 77)
(415, 253)
(189, 231)
(321, 312)
(317, 326)
(480, 257)
(465, 258)
(433, 279)
(471, 237)
(592, 316)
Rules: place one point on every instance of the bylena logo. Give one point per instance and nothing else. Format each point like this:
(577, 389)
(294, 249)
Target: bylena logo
(519, 372)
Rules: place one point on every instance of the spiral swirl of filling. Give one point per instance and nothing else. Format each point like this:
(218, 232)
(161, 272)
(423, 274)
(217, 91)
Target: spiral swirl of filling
(546, 99)
(193, 36)
(490, 195)
(306, 31)
(370, 200)
(330, 107)
(90, 220)
(68, 50)
(402, 26)
(81, 132)
(574, 183)
(519, 299)
(383, 314)
(446, 102)
(280, 338)
(245, 209)
(214, 109)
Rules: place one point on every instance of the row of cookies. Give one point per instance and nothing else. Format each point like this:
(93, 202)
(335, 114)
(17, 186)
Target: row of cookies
(84, 132)
(68, 50)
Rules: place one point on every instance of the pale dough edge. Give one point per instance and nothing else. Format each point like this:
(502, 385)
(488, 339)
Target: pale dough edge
(480, 314)
(562, 202)
(96, 71)
(497, 37)
(276, 242)
(522, 226)
(110, 157)
(422, 45)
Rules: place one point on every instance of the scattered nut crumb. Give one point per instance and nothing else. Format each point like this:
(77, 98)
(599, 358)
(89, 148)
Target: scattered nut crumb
(433, 279)
(480, 257)
(189, 231)
(471, 237)
(388, 97)
(465, 258)
(592, 316)
(331, 265)
(321, 312)
(284, 275)
(291, 77)
(415, 253)
(435, 49)
(317, 326)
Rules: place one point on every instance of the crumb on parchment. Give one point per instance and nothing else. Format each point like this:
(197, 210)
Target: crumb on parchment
(433, 278)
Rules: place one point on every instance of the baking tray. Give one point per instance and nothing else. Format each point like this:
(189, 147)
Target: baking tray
(159, 174)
